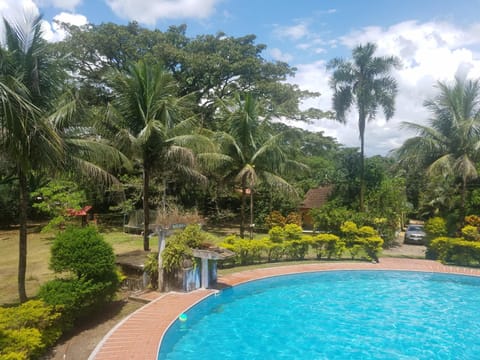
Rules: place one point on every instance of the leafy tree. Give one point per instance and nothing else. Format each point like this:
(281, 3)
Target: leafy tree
(449, 144)
(55, 198)
(209, 66)
(257, 156)
(366, 83)
(146, 118)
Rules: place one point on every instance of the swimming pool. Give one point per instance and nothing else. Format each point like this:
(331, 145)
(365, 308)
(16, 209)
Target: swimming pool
(334, 315)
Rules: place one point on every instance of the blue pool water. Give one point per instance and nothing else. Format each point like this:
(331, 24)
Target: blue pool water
(334, 315)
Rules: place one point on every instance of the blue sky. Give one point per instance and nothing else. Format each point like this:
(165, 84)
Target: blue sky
(435, 39)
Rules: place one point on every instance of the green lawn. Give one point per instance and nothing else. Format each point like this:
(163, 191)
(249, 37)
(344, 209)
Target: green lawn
(38, 254)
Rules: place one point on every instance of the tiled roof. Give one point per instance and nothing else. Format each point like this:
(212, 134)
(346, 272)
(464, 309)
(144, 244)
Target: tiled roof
(315, 198)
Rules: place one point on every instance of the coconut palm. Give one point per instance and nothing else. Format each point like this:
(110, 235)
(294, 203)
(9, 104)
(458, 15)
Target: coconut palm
(37, 121)
(449, 144)
(365, 82)
(256, 155)
(152, 125)
(28, 141)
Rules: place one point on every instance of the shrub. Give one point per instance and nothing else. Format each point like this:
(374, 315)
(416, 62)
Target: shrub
(151, 268)
(247, 251)
(435, 227)
(372, 245)
(93, 280)
(294, 218)
(470, 232)
(276, 234)
(193, 236)
(456, 250)
(174, 254)
(297, 249)
(82, 252)
(327, 245)
(179, 247)
(292, 232)
(275, 218)
(28, 329)
(472, 220)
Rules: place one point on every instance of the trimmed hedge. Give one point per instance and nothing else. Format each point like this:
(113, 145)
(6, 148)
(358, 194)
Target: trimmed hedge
(456, 251)
(288, 243)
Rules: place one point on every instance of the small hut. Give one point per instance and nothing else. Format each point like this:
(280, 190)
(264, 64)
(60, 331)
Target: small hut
(314, 199)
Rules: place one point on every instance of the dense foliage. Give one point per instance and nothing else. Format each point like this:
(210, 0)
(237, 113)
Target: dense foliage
(88, 275)
(27, 330)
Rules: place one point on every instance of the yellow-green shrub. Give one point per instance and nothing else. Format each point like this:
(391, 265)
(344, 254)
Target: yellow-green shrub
(456, 250)
(470, 232)
(28, 329)
(327, 245)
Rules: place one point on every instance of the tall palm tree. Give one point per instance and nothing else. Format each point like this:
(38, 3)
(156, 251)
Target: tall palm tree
(152, 125)
(256, 155)
(27, 83)
(449, 144)
(37, 120)
(365, 82)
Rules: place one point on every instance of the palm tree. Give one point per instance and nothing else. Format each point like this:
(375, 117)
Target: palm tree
(37, 122)
(364, 82)
(151, 124)
(449, 144)
(256, 155)
(29, 142)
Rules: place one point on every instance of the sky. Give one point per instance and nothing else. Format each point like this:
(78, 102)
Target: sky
(435, 40)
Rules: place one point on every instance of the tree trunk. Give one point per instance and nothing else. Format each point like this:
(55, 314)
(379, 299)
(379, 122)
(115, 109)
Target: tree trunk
(251, 213)
(22, 243)
(361, 125)
(464, 197)
(243, 206)
(146, 209)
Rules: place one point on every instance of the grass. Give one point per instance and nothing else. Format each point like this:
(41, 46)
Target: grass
(38, 255)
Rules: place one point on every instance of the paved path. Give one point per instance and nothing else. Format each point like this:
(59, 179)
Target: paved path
(139, 335)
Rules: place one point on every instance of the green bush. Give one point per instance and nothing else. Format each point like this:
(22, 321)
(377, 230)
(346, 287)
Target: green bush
(372, 245)
(296, 249)
(28, 329)
(470, 232)
(179, 247)
(276, 234)
(456, 250)
(193, 237)
(327, 245)
(174, 254)
(151, 268)
(435, 227)
(292, 232)
(247, 251)
(83, 252)
(89, 262)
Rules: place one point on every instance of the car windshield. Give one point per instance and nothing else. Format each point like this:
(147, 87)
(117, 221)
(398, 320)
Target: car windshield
(415, 228)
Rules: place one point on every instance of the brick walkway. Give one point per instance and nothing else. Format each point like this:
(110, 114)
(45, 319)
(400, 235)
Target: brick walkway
(138, 336)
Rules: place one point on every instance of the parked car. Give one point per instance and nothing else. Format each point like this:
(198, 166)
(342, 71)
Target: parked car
(415, 234)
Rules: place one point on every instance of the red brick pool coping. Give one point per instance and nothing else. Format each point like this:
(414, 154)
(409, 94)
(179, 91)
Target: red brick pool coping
(138, 336)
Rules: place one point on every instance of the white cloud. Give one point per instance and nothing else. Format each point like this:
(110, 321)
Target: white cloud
(148, 12)
(277, 54)
(23, 10)
(430, 52)
(54, 32)
(294, 32)
(69, 5)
